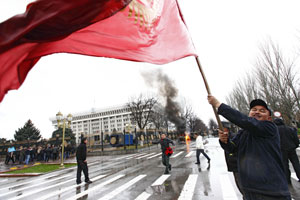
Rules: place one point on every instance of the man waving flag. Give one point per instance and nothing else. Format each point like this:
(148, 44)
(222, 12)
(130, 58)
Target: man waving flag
(137, 30)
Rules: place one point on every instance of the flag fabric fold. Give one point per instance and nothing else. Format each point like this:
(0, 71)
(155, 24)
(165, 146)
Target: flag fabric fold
(144, 31)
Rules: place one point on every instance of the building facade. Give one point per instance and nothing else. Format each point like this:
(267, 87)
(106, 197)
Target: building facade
(94, 122)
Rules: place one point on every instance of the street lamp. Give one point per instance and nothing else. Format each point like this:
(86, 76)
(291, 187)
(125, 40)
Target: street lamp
(59, 118)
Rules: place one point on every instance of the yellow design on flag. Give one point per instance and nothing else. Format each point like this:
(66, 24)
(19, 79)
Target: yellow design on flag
(145, 12)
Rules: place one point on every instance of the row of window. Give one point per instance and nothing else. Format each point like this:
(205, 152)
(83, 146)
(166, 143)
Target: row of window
(102, 114)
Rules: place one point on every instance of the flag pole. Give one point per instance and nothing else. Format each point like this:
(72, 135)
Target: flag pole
(203, 75)
(208, 91)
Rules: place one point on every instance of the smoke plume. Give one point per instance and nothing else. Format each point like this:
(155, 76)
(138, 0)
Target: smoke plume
(167, 90)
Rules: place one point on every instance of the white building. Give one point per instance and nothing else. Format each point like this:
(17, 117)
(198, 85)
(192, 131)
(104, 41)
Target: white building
(92, 123)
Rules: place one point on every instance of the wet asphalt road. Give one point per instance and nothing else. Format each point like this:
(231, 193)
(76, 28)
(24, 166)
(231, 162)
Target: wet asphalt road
(137, 176)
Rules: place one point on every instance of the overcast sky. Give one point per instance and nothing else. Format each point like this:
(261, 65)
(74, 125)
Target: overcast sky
(226, 35)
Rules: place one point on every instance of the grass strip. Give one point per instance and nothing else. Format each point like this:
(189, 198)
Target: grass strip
(42, 168)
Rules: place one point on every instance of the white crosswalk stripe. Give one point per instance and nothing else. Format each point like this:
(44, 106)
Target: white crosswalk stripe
(227, 188)
(143, 196)
(28, 182)
(161, 179)
(188, 188)
(123, 157)
(174, 156)
(96, 187)
(145, 155)
(30, 186)
(155, 155)
(3, 180)
(189, 154)
(41, 189)
(120, 189)
(68, 188)
(135, 156)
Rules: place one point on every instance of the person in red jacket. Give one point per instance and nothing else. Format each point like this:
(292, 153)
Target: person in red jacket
(166, 152)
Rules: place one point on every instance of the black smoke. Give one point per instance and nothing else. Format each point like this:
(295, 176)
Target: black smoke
(168, 91)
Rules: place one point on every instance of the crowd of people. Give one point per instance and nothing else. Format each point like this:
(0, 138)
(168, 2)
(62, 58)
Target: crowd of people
(27, 155)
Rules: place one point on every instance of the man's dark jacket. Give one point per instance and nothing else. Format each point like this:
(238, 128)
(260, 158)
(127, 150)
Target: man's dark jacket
(231, 158)
(288, 136)
(81, 152)
(259, 157)
(165, 143)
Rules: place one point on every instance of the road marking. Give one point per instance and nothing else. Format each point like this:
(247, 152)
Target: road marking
(134, 156)
(30, 181)
(293, 175)
(69, 188)
(96, 187)
(3, 180)
(37, 184)
(143, 196)
(188, 188)
(161, 180)
(125, 157)
(177, 154)
(39, 190)
(122, 188)
(227, 188)
(150, 154)
(189, 154)
(155, 155)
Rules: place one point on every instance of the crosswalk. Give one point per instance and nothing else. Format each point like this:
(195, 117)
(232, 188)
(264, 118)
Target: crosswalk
(138, 182)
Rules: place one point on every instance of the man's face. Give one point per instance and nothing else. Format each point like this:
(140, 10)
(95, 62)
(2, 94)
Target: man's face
(163, 136)
(260, 113)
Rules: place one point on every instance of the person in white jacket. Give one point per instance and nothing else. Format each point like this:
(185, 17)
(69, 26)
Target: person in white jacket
(200, 149)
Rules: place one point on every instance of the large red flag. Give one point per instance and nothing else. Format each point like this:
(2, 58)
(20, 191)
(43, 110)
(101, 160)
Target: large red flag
(146, 31)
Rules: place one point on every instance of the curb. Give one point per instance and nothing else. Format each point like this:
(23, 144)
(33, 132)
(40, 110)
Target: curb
(20, 175)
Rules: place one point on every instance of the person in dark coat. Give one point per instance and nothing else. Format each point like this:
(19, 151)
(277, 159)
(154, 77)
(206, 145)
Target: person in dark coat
(258, 151)
(165, 146)
(231, 160)
(22, 155)
(289, 142)
(81, 162)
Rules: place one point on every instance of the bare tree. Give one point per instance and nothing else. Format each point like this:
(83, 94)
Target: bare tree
(274, 80)
(158, 116)
(242, 94)
(212, 125)
(195, 124)
(141, 109)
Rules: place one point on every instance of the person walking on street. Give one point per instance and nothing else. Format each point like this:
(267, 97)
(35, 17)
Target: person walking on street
(258, 149)
(166, 152)
(200, 149)
(289, 142)
(81, 162)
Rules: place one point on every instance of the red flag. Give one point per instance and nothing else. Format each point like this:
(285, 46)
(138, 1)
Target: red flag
(146, 31)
